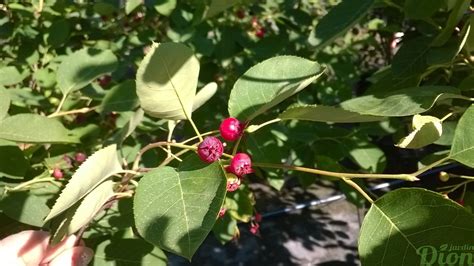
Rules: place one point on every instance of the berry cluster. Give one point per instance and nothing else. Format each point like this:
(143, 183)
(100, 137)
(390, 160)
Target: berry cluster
(211, 149)
(78, 159)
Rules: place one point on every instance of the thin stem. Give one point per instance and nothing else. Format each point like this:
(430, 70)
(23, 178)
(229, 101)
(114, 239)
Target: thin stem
(358, 188)
(197, 137)
(61, 103)
(77, 111)
(446, 117)
(29, 183)
(236, 145)
(170, 153)
(336, 174)
(428, 167)
(158, 145)
(253, 128)
(194, 127)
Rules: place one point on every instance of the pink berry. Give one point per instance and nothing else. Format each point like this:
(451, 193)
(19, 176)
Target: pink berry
(210, 149)
(254, 228)
(240, 165)
(222, 212)
(258, 217)
(80, 157)
(231, 129)
(58, 174)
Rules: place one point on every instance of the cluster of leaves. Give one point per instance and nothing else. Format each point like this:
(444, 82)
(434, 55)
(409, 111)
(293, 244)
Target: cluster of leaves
(109, 80)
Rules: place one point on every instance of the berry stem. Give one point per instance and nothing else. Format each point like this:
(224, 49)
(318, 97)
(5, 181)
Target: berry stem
(61, 103)
(253, 128)
(195, 128)
(406, 177)
(428, 167)
(71, 112)
(29, 183)
(358, 188)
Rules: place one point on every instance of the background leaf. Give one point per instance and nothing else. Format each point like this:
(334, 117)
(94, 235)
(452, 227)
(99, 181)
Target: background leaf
(402, 221)
(165, 7)
(13, 161)
(120, 98)
(420, 9)
(167, 80)
(403, 102)
(94, 170)
(33, 128)
(463, 143)
(321, 113)
(338, 20)
(269, 83)
(176, 209)
(82, 67)
(4, 102)
(10, 75)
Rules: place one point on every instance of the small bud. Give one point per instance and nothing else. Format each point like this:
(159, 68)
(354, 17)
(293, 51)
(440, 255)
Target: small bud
(80, 157)
(254, 228)
(233, 182)
(443, 176)
(222, 212)
(58, 174)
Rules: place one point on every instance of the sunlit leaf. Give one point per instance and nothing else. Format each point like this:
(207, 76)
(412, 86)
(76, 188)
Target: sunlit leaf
(175, 209)
(406, 223)
(426, 130)
(463, 143)
(4, 102)
(92, 172)
(204, 95)
(269, 83)
(167, 80)
(321, 113)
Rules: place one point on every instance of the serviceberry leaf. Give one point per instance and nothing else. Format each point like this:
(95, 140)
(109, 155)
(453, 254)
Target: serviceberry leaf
(167, 80)
(321, 113)
(204, 95)
(33, 128)
(462, 149)
(175, 209)
(399, 224)
(82, 67)
(404, 102)
(4, 102)
(269, 83)
(98, 167)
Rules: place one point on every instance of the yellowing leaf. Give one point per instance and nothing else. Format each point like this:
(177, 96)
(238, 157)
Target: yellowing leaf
(426, 130)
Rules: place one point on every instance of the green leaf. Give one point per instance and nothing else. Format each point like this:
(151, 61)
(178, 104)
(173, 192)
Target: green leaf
(239, 204)
(119, 251)
(92, 172)
(410, 60)
(58, 33)
(463, 143)
(405, 102)
(10, 75)
(82, 67)
(120, 98)
(421, 9)
(455, 16)
(426, 130)
(13, 161)
(167, 80)
(339, 20)
(321, 113)
(176, 209)
(225, 229)
(204, 95)
(217, 6)
(367, 155)
(91, 205)
(408, 225)
(4, 102)
(165, 7)
(33, 128)
(131, 5)
(25, 208)
(269, 83)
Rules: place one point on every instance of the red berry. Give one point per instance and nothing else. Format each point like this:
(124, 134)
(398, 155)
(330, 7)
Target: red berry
(57, 173)
(258, 217)
(260, 33)
(231, 129)
(104, 80)
(80, 157)
(222, 212)
(240, 165)
(240, 13)
(210, 149)
(254, 228)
